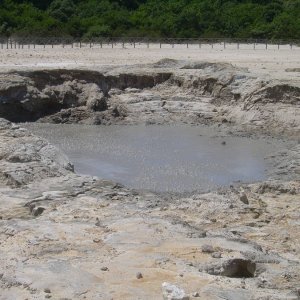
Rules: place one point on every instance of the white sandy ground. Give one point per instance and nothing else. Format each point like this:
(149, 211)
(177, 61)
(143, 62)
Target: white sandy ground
(272, 61)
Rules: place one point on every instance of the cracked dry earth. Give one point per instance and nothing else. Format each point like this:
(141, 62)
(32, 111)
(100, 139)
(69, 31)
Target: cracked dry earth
(67, 236)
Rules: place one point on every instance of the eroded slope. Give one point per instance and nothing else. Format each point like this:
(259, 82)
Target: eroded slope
(165, 92)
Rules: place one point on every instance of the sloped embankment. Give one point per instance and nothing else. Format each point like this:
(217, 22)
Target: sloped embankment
(31, 96)
(166, 92)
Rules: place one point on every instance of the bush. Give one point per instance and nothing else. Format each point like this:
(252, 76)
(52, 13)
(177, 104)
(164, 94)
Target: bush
(153, 18)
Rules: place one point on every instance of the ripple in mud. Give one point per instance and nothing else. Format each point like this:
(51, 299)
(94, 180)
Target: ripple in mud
(160, 158)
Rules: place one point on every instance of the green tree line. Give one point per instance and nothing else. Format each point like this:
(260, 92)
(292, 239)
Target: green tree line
(276, 19)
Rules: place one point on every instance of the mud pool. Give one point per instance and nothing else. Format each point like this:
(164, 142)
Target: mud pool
(161, 158)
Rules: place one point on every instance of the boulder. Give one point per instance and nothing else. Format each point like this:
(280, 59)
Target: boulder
(173, 292)
(236, 268)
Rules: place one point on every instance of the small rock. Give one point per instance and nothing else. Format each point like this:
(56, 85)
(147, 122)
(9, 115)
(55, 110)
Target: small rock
(244, 198)
(216, 255)
(104, 269)
(98, 223)
(37, 211)
(198, 234)
(202, 234)
(47, 291)
(139, 275)
(196, 295)
(172, 292)
(256, 215)
(207, 249)
(48, 296)
(223, 143)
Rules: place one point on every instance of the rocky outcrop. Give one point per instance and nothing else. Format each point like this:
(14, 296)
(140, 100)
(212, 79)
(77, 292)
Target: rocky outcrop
(237, 267)
(166, 92)
(33, 95)
(25, 158)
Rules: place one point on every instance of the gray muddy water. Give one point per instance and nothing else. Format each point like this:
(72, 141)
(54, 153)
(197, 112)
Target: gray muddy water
(160, 158)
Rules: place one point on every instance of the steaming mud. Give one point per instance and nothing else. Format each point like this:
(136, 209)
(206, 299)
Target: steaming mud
(162, 158)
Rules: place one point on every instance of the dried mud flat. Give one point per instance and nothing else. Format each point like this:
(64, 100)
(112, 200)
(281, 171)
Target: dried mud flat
(279, 64)
(65, 236)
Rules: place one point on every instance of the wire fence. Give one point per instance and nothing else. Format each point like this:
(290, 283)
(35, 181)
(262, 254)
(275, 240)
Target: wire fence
(101, 42)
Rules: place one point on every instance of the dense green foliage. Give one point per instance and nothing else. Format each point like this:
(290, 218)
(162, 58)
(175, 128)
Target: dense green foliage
(152, 18)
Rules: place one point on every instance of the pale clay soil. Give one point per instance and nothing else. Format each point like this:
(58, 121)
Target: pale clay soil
(66, 236)
(272, 62)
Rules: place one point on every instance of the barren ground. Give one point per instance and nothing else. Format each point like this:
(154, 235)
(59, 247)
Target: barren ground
(273, 62)
(65, 236)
